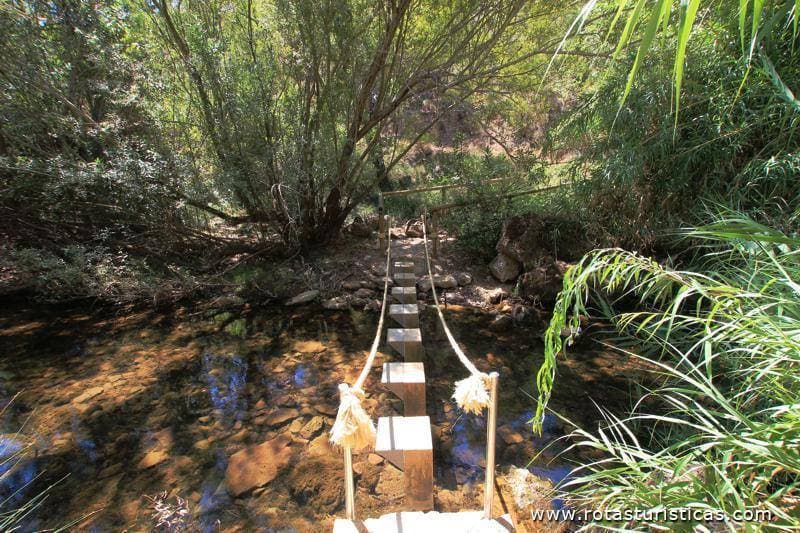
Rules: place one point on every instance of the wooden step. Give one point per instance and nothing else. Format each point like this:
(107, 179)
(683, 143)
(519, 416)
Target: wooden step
(407, 381)
(406, 442)
(405, 295)
(404, 279)
(407, 315)
(412, 522)
(407, 342)
(404, 266)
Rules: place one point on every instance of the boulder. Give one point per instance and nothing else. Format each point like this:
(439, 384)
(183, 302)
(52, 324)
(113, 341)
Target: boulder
(544, 282)
(504, 268)
(413, 229)
(257, 465)
(303, 298)
(530, 238)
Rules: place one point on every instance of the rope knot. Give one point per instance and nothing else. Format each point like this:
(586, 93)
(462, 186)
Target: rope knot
(472, 393)
(353, 427)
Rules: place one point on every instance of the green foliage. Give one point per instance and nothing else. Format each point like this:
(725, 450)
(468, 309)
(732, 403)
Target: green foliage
(644, 173)
(77, 271)
(722, 430)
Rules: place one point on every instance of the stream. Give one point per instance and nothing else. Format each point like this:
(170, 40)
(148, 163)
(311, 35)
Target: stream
(130, 421)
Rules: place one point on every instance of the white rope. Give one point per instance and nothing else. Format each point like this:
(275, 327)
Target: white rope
(353, 427)
(471, 393)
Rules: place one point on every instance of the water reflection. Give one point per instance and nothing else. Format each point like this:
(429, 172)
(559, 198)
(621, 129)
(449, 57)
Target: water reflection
(226, 378)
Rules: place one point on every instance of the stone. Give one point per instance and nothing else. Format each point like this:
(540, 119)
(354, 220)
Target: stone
(313, 427)
(153, 458)
(351, 285)
(260, 405)
(281, 416)
(337, 303)
(413, 229)
(303, 298)
(502, 323)
(544, 282)
(374, 459)
(504, 268)
(455, 298)
(321, 446)
(364, 293)
(530, 238)
(309, 347)
(257, 465)
(441, 282)
(497, 295)
(88, 395)
(463, 278)
(297, 425)
(509, 434)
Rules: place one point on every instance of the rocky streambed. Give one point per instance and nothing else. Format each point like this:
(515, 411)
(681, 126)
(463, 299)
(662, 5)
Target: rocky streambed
(217, 419)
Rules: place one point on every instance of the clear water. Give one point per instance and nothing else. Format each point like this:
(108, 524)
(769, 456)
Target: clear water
(116, 412)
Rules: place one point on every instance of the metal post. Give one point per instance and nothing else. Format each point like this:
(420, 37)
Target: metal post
(491, 433)
(349, 486)
(381, 229)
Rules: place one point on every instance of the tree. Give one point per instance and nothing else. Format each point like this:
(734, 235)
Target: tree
(293, 97)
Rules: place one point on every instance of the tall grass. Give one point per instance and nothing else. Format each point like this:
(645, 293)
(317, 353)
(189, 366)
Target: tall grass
(721, 430)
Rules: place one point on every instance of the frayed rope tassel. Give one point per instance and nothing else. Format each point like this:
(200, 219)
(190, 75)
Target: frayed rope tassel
(471, 393)
(353, 427)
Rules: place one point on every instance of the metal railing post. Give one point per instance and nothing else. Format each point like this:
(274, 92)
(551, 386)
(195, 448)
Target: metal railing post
(491, 433)
(349, 485)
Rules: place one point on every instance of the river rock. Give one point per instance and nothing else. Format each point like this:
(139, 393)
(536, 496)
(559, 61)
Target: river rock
(281, 416)
(441, 282)
(463, 278)
(544, 282)
(504, 268)
(312, 428)
(303, 298)
(509, 434)
(152, 459)
(257, 465)
(359, 228)
(502, 323)
(364, 293)
(351, 285)
(336, 304)
(455, 298)
(414, 229)
(88, 395)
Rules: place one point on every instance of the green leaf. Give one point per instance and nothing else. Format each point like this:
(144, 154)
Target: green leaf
(644, 46)
(688, 15)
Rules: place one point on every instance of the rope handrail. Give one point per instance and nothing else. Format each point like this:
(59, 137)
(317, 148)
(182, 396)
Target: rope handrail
(471, 394)
(353, 427)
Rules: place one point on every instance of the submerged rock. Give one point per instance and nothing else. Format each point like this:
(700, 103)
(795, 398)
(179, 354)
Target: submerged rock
(257, 465)
(317, 484)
